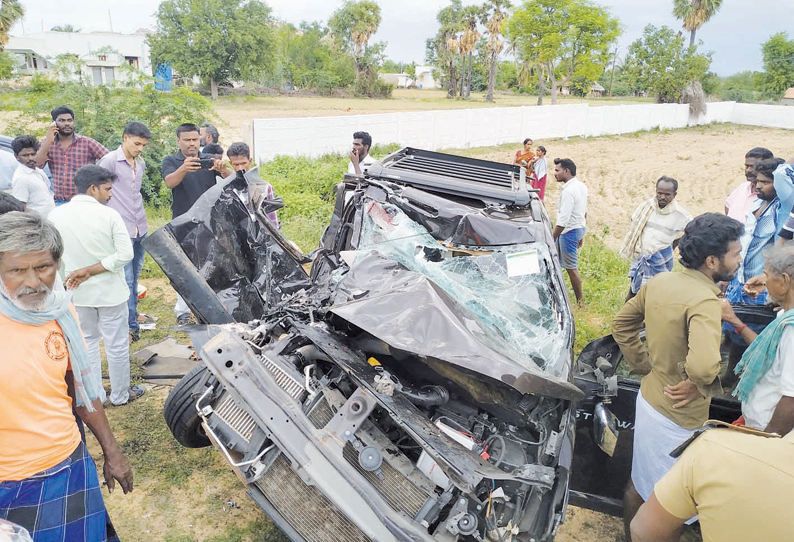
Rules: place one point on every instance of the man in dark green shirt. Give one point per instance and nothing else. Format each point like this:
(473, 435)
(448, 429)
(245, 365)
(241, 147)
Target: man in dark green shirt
(681, 315)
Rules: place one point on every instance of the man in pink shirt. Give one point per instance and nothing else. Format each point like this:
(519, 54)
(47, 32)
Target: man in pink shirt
(741, 200)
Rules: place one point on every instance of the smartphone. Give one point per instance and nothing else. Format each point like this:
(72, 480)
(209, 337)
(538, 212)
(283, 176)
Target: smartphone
(206, 163)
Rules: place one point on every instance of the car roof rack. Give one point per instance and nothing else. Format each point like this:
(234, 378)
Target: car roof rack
(491, 182)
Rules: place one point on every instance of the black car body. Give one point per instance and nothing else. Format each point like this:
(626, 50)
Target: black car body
(415, 384)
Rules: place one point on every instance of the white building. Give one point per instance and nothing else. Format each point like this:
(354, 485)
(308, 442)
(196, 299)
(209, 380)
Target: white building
(424, 77)
(102, 53)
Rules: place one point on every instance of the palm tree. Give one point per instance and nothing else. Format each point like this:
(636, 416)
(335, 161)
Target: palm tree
(10, 12)
(64, 28)
(494, 14)
(694, 14)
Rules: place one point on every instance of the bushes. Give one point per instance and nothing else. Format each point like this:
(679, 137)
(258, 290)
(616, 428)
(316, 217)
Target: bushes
(102, 113)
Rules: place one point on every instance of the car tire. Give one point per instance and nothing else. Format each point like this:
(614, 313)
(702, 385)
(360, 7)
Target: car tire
(180, 412)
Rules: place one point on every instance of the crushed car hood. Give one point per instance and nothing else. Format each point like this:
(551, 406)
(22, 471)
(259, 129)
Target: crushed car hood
(409, 312)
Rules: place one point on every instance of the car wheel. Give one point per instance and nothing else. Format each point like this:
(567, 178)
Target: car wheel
(180, 412)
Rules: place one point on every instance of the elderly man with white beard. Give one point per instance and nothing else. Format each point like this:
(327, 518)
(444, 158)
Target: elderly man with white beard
(48, 481)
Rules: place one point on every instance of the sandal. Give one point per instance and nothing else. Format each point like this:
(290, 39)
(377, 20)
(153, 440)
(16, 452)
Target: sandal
(135, 393)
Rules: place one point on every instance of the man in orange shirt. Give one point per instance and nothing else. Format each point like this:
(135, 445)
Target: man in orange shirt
(48, 481)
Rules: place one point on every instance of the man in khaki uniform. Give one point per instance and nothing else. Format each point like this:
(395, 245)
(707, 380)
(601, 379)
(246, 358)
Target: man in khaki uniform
(737, 484)
(681, 315)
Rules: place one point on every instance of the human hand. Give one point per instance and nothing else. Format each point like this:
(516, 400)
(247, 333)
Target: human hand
(682, 393)
(581, 242)
(52, 131)
(116, 468)
(728, 315)
(191, 164)
(219, 166)
(354, 156)
(76, 278)
(755, 286)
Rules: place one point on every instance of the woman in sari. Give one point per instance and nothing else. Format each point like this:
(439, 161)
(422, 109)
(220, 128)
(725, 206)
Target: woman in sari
(525, 157)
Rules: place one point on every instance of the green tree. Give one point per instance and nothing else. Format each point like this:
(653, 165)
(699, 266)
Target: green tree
(739, 87)
(494, 15)
(7, 65)
(441, 50)
(216, 40)
(64, 28)
(661, 64)
(305, 58)
(353, 25)
(10, 12)
(562, 39)
(778, 74)
(694, 14)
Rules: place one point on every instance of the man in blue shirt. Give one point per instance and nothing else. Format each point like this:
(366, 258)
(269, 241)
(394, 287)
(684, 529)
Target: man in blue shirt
(762, 227)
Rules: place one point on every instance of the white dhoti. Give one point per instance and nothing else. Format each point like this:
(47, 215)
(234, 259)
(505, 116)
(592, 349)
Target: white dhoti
(655, 436)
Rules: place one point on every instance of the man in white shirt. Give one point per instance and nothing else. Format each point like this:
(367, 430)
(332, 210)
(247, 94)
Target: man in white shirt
(97, 246)
(656, 226)
(766, 386)
(360, 160)
(29, 184)
(8, 165)
(571, 214)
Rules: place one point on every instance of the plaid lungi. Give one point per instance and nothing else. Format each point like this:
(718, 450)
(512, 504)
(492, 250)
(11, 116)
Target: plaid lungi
(61, 504)
(646, 267)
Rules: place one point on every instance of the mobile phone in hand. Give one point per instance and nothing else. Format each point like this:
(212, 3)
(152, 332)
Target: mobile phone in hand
(206, 163)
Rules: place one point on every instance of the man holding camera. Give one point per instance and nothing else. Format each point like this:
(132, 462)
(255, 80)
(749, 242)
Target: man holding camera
(186, 174)
(189, 176)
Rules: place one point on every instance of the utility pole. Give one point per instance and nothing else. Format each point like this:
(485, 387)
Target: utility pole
(612, 76)
(110, 20)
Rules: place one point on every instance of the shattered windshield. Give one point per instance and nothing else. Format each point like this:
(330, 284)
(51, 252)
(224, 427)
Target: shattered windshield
(507, 289)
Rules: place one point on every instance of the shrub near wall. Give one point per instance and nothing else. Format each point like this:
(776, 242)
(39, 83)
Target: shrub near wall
(102, 112)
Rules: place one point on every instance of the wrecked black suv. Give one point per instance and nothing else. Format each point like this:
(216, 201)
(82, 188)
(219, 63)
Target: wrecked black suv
(409, 380)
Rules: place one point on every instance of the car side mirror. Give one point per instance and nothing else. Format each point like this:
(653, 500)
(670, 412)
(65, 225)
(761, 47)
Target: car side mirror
(605, 428)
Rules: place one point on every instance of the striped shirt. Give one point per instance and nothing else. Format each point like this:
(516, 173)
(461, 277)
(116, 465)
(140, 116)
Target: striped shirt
(759, 233)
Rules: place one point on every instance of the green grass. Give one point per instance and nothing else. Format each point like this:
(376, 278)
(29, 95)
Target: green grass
(605, 284)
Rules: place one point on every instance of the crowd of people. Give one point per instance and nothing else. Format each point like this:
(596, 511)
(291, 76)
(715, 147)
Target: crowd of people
(732, 481)
(71, 254)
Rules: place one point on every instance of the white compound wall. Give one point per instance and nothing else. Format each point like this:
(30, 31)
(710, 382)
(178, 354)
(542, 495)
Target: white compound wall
(467, 128)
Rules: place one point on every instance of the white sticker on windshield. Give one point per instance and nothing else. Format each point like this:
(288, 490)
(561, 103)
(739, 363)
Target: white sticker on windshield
(523, 263)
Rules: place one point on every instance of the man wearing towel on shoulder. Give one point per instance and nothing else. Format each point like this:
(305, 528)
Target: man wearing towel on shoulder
(681, 315)
(656, 226)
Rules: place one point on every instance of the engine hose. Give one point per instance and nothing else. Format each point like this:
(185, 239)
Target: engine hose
(312, 353)
(426, 396)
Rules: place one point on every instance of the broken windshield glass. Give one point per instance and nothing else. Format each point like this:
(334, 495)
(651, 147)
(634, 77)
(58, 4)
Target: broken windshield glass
(506, 289)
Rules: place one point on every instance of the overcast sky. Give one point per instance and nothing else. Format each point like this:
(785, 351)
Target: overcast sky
(734, 35)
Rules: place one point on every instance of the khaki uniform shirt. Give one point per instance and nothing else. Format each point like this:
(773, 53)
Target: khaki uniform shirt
(682, 317)
(739, 486)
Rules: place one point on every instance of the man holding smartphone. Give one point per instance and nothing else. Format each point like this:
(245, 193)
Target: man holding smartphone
(66, 151)
(186, 174)
(189, 176)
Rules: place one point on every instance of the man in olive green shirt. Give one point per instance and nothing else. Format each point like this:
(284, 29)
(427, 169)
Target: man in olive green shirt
(737, 484)
(681, 315)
